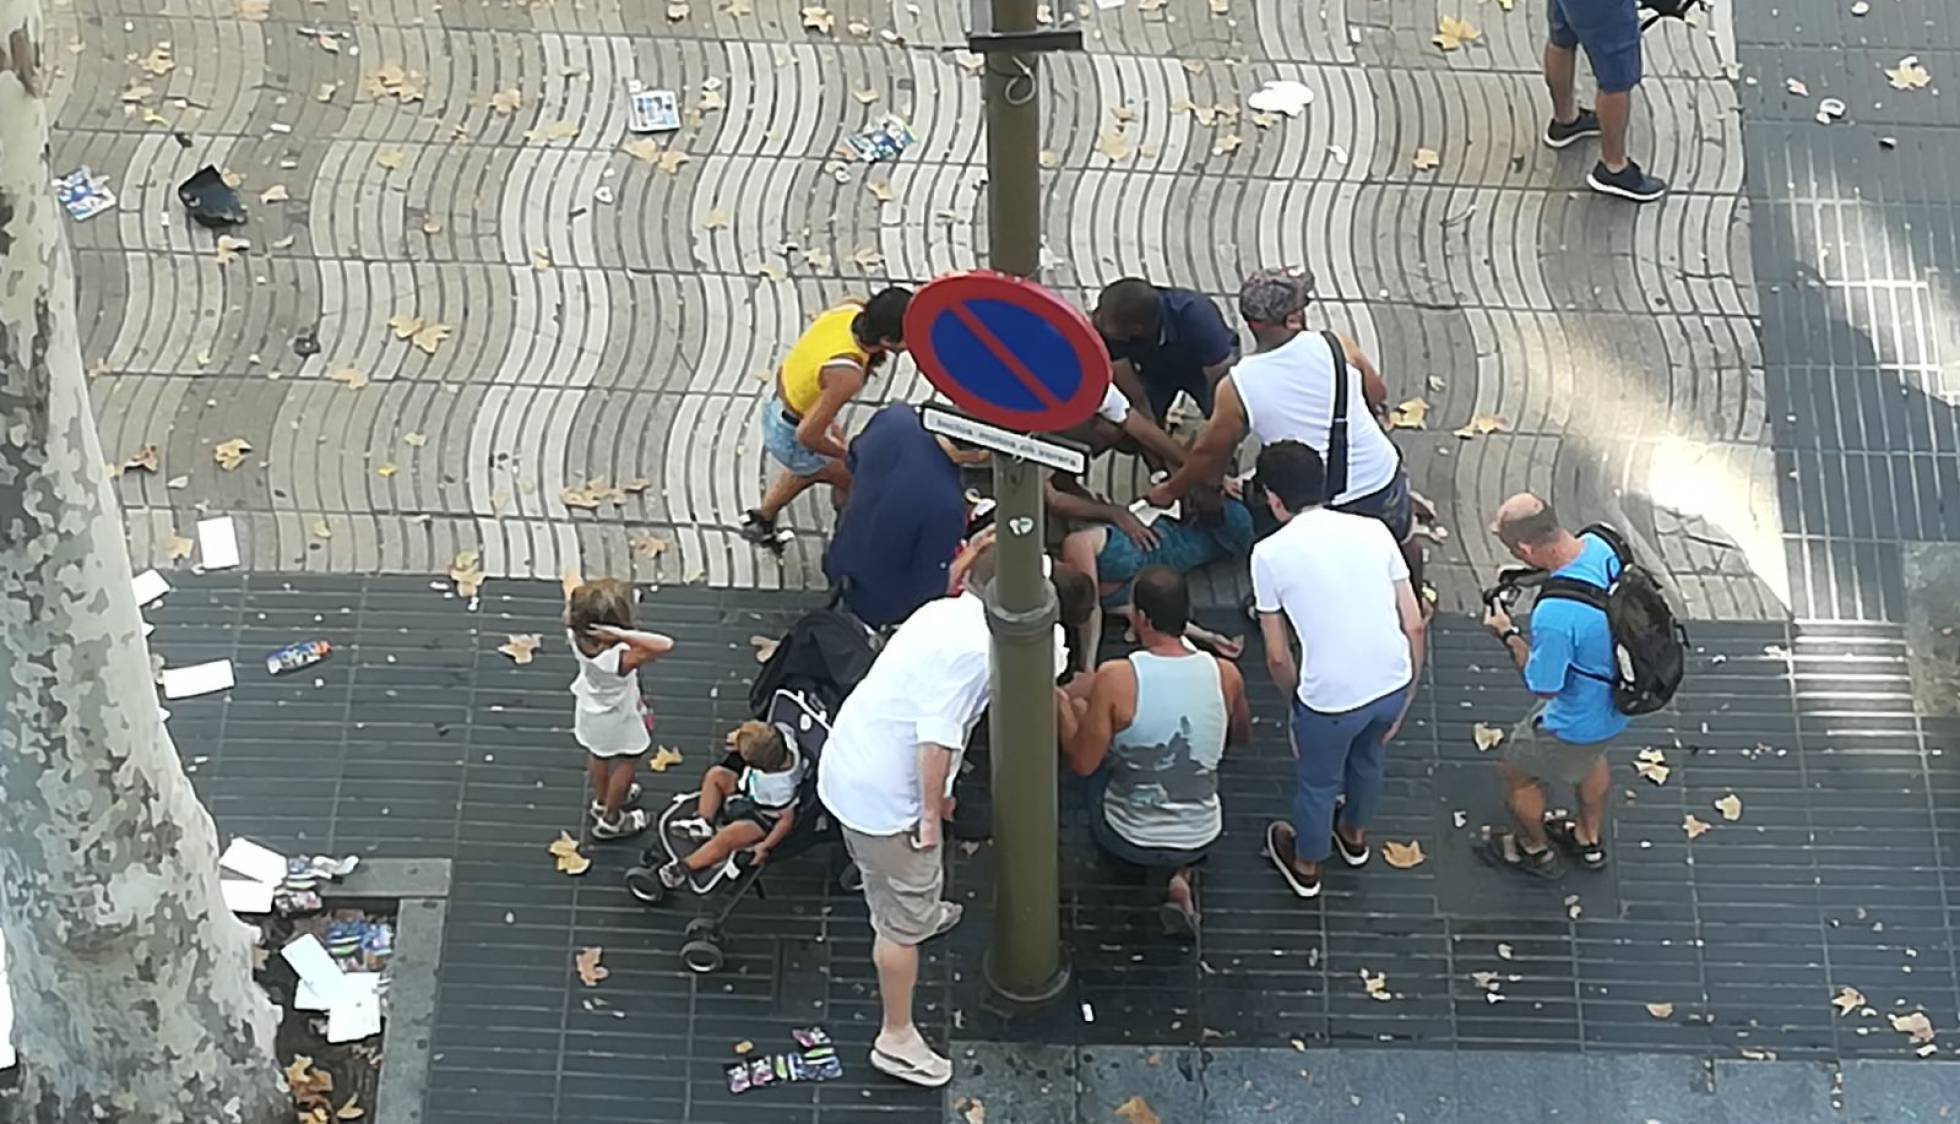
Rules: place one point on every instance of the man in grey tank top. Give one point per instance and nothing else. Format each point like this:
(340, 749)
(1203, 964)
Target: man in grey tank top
(1150, 732)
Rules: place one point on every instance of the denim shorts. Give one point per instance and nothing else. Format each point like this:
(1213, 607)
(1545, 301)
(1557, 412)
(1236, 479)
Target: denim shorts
(779, 437)
(1609, 30)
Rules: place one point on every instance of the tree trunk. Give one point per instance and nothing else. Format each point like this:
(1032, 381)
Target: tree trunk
(132, 984)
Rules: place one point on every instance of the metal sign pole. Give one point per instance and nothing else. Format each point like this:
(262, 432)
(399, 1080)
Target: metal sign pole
(1024, 964)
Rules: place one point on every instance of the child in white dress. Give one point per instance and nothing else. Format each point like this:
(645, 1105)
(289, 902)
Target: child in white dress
(610, 717)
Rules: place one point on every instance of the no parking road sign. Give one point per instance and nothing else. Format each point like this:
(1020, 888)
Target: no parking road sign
(1008, 351)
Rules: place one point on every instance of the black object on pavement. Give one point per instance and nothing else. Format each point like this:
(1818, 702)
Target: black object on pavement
(211, 200)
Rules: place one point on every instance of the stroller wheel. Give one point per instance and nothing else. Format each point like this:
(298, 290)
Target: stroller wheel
(700, 930)
(850, 879)
(644, 884)
(701, 956)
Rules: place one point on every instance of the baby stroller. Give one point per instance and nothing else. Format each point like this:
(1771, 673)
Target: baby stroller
(797, 691)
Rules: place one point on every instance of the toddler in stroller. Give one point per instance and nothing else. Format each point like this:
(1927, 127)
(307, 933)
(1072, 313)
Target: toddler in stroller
(763, 796)
(748, 800)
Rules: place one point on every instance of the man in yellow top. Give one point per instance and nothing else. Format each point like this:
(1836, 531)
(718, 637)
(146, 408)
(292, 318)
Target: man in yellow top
(825, 370)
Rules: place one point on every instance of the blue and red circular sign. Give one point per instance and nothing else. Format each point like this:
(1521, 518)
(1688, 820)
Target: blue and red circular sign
(1008, 351)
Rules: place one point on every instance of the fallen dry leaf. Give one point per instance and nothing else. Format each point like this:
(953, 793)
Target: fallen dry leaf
(353, 378)
(664, 758)
(1412, 414)
(764, 647)
(352, 1110)
(717, 220)
(1480, 425)
(1452, 33)
(277, 193)
(1847, 1000)
(552, 131)
(671, 160)
(229, 248)
(415, 440)
(1221, 7)
(177, 547)
(590, 971)
(972, 1111)
(428, 337)
(565, 850)
(521, 647)
(879, 189)
(1425, 159)
(1652, 765)
(1909, 75)
(1504, 952)
(1136, 1110)
(387, 469)
(868, 257)
(1487, 736)
(540, 260)
(147, 458)
(648, 546)
(1694, 827)
(507, 102)
(1661, 1010)
(1730, 806)
(1227, 143)
(326, 91)
(1917, 1025)
(389, 158)
(432, 226)
(865, 97)
(676, 11)
(321, 530)
(393, 81)
(1115, 146)
(1048, 158)
(285, 243)
(1402, 856)
(467, 572)
(1376, 985)
(328, 42)
(230, 454)
(255, 10)
(818, 19)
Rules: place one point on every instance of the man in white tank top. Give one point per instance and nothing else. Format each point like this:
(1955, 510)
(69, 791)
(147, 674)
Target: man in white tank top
(1288, 391)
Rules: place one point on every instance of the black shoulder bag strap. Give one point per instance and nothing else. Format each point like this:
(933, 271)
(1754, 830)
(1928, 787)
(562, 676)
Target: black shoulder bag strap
(1586, 593)
(1337, 430)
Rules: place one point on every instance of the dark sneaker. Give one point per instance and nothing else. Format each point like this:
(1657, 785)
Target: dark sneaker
(1629, 182)
(756, 529)
(1560, 134)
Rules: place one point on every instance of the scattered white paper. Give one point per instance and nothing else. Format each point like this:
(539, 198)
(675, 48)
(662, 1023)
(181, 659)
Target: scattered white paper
(148, 586)
(217, 543)
(351, 1022)
(242, 895)
(1148, 515)
(147, 629)
(316, 968)
(197, 679)
(260, 864)
(1106, 5)
(354, 986)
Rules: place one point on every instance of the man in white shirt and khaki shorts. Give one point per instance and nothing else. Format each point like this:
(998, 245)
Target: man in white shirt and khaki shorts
(887, 778)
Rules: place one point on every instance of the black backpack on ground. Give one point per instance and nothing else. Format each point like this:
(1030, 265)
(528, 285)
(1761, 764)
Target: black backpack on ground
(1650, 648)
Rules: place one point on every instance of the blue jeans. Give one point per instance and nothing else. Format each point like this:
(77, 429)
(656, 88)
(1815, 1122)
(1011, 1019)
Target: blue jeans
(1340, 755)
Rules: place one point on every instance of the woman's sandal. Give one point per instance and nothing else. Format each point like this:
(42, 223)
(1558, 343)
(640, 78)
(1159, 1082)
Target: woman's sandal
(1565, 833)
(1501, 848)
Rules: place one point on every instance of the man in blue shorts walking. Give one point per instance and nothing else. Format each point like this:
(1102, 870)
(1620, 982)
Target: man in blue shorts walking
(1609, 30)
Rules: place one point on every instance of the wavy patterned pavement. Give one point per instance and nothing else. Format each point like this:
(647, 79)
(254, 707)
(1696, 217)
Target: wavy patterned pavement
(597, 343)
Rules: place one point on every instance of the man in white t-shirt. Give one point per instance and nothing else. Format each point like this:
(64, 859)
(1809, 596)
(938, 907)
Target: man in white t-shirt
(887, 778)
(1292, 389)
(1340, 582)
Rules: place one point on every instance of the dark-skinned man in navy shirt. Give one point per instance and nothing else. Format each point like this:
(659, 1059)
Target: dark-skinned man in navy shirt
(1162, 341)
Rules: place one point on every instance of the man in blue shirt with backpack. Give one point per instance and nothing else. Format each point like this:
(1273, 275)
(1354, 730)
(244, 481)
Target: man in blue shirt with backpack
(1570, 664)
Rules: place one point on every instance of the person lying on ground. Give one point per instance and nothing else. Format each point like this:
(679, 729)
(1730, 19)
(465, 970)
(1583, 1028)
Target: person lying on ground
(748, 799)
(1151, 731)
(1210, 526)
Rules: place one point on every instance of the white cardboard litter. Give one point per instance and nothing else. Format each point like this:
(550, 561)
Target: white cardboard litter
(260, 864)
(148, 586)
(356, 984)
(197, 679)
(242, 895)
(354, 1020)
(316, 968)
(217, 543)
